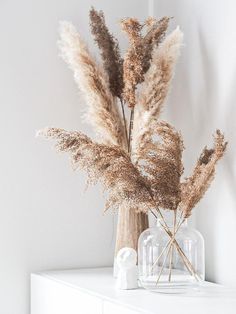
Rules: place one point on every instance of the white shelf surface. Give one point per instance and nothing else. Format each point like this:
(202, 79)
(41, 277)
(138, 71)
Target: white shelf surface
(93, 291)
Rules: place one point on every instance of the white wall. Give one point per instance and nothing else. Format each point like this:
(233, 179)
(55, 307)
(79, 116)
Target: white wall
(203, 98)
(46, 220)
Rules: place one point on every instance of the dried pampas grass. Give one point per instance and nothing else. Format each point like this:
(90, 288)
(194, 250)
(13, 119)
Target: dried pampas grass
(158, 78)
(133, 60)
(102, 110)
(161, 160)
(194, 187)
(110, 52)
(156, 33)
(154, 89)
(139, 54)
(108, 164)
(139, 166)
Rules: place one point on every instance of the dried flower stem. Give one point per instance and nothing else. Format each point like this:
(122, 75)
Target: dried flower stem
(170, 242)
(186, 261)
(171, 253)
(168, 247)
(131, 124)
(163, 264)
(162, 252)
(124, 120)
(180, 251)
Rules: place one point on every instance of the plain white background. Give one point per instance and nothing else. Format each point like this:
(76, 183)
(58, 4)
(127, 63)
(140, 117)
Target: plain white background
(47, 221)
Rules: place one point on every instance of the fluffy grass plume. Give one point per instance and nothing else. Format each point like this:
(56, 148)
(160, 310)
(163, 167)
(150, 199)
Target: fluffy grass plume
(155, 87)
(110, 52)
(161, 160)
(194, 187)
(155, 34)
(102, 110)
(108, 164)
(133, 60)
(147, 175)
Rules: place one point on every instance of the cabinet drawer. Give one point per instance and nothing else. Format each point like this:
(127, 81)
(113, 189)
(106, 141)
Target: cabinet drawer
(112, 308)
(50, 297)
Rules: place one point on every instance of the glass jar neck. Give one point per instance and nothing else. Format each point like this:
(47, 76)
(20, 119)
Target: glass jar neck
(172, 220)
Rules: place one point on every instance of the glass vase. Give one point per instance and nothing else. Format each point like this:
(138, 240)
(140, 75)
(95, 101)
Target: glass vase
(171, 257)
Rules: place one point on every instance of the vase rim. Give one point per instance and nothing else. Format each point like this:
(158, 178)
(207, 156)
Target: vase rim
(169, 220)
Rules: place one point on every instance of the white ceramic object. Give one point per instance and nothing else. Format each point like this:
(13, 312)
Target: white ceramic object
(126, 260)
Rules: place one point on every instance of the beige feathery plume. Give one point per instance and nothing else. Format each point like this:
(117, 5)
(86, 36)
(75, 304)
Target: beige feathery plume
(110, 52)
(102, 110)
(133, 60)
(154, 89)
(158, 78)
(194, 187)
(108, 164)
(161, 160)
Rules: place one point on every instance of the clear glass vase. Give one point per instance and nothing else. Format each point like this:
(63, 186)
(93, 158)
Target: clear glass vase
(171, 258)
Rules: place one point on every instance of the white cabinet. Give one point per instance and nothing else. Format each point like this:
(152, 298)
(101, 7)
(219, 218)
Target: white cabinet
(92, 291)
(51, 297)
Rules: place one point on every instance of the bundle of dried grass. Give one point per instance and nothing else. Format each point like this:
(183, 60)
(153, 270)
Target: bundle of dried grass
(194, 187)
(110, 52)
(108, 164)
(147, 175)
(102, 108)
(161, 160)
(155, 87)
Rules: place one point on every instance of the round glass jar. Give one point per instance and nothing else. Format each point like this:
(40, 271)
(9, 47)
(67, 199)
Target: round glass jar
(171, 259)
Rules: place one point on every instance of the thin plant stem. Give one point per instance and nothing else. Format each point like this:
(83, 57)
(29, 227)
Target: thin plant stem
(170, 263)
(162, 252)
(125, 124)
(168, 252)
(154, 214)
(186, 261)
(131, 121)
(181, 216)
(171, 252)
(163, 264)
(170, 242)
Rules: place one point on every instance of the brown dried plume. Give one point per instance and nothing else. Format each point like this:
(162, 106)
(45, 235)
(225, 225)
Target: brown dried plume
(108, 164)
(155, 34)
(161, 160)
(138, 56)
(133, 60)
(110, 52)
(194, 187)
(154, 89)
